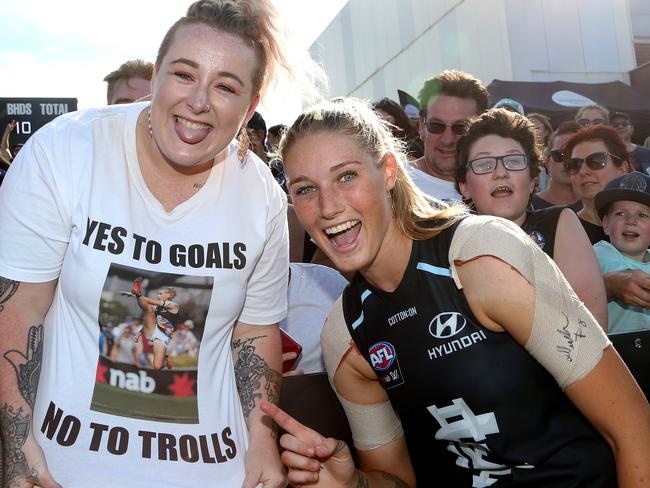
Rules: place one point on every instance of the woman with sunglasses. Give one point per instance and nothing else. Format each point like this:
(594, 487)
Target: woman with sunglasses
(559, 190)
(450, 347)
(592, 115)
(593, 157)
(498, 161)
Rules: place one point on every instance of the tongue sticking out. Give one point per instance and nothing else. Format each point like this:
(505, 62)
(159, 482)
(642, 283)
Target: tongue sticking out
(190, 132)
(347, 237)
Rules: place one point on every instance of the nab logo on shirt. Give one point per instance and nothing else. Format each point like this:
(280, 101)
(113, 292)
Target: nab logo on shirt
(447, 324)
(382, 355)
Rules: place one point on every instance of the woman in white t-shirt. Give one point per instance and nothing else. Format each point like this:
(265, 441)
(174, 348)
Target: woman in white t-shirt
(161, 190)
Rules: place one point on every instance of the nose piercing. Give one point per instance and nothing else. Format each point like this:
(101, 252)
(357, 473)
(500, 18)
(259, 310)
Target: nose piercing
(207, 109)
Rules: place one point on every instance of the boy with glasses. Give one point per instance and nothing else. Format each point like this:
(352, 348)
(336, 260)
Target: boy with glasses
(447, 101)
(639, 156)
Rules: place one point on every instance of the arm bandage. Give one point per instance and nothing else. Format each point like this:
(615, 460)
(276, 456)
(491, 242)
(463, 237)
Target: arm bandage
(564, 338)
(372, 425)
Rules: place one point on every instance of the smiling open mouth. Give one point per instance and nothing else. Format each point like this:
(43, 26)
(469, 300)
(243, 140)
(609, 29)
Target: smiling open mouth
(344, 234)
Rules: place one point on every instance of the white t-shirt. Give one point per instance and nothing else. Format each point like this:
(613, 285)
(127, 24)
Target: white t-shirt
(432, 186)
(313, 289)
(74, 206)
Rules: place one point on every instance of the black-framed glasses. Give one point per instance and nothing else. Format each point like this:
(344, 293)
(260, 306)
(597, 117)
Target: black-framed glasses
(511, 162)
(595, 161)
(557, 155)
(587, 122)
(435, 127)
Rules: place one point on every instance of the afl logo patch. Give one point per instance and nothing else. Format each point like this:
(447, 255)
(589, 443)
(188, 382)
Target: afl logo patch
(382, 355)
(538, 238)
(447, 324)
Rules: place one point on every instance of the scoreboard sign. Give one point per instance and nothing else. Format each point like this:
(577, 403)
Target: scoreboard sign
(31, 114)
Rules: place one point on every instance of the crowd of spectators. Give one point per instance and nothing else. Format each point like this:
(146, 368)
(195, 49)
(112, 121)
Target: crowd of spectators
(493, 157)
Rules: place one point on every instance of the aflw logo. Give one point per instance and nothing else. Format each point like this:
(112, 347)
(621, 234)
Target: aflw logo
(447, 324)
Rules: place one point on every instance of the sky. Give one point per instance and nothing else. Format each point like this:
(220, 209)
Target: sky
(64, 48)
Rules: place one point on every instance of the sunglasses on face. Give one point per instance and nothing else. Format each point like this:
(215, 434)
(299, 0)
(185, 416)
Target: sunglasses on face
(511, 162)
(435, 127)
(557, 155)
(587, 122)
(595, 161)
(621, 124)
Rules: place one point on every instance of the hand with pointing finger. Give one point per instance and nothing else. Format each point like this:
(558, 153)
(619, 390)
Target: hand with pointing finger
(311, 458)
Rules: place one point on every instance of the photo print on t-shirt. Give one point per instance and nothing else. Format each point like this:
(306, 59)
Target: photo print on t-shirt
(150, 329)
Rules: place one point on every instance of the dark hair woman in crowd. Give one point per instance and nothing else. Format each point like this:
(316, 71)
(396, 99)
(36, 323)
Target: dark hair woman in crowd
(498, 159)
(459, 351)
(400, 125)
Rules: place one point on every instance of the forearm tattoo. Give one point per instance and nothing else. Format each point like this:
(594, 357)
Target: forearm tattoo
(15, 430)
(14, 425)
(250, 368)
(7, 290)
(28, 365)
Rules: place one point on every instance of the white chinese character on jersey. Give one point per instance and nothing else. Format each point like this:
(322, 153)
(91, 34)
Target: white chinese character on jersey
(467, 425)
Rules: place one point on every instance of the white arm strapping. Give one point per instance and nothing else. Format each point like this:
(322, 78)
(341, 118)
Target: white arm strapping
(564, 338)
(372, 425)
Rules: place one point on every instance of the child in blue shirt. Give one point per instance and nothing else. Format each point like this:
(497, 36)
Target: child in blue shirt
(624, 207)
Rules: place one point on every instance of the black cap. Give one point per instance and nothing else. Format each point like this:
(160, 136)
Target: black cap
(633, 186)
(257, 122)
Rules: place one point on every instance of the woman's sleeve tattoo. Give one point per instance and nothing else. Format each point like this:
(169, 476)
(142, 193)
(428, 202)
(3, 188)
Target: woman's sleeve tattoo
(250, 368)
(7, 290)
(15, 430)
(27, 365)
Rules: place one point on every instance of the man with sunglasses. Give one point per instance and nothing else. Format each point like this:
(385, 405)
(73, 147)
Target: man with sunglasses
(559, 190)
(639, 155)
(447, 101)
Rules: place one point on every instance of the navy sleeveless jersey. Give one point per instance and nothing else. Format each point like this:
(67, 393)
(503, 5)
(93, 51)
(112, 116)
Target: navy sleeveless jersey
(541, 227)
(476, 408)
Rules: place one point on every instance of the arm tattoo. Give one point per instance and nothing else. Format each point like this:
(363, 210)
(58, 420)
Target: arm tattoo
(15, 430)
(398, 482)
(339, 447)
(250, 368)
(362, 481)
(28, 365)
(7, 290)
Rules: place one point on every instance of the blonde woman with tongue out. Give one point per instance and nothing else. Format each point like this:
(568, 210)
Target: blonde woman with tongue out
(504, 189)
(459, 352)
(162, 190)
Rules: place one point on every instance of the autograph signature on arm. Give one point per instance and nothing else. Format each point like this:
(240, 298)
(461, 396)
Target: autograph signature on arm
(570, 337)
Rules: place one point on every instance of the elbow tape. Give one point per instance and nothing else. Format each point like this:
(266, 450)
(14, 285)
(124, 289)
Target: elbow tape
(372, 425)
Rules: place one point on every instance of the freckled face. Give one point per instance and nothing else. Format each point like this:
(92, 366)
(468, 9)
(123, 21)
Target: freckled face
(202, 92)
(503, 193)
(340, 195)
(587, 182)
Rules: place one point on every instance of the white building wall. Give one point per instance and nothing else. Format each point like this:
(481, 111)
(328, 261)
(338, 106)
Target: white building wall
(374, 47)
(640, 14)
